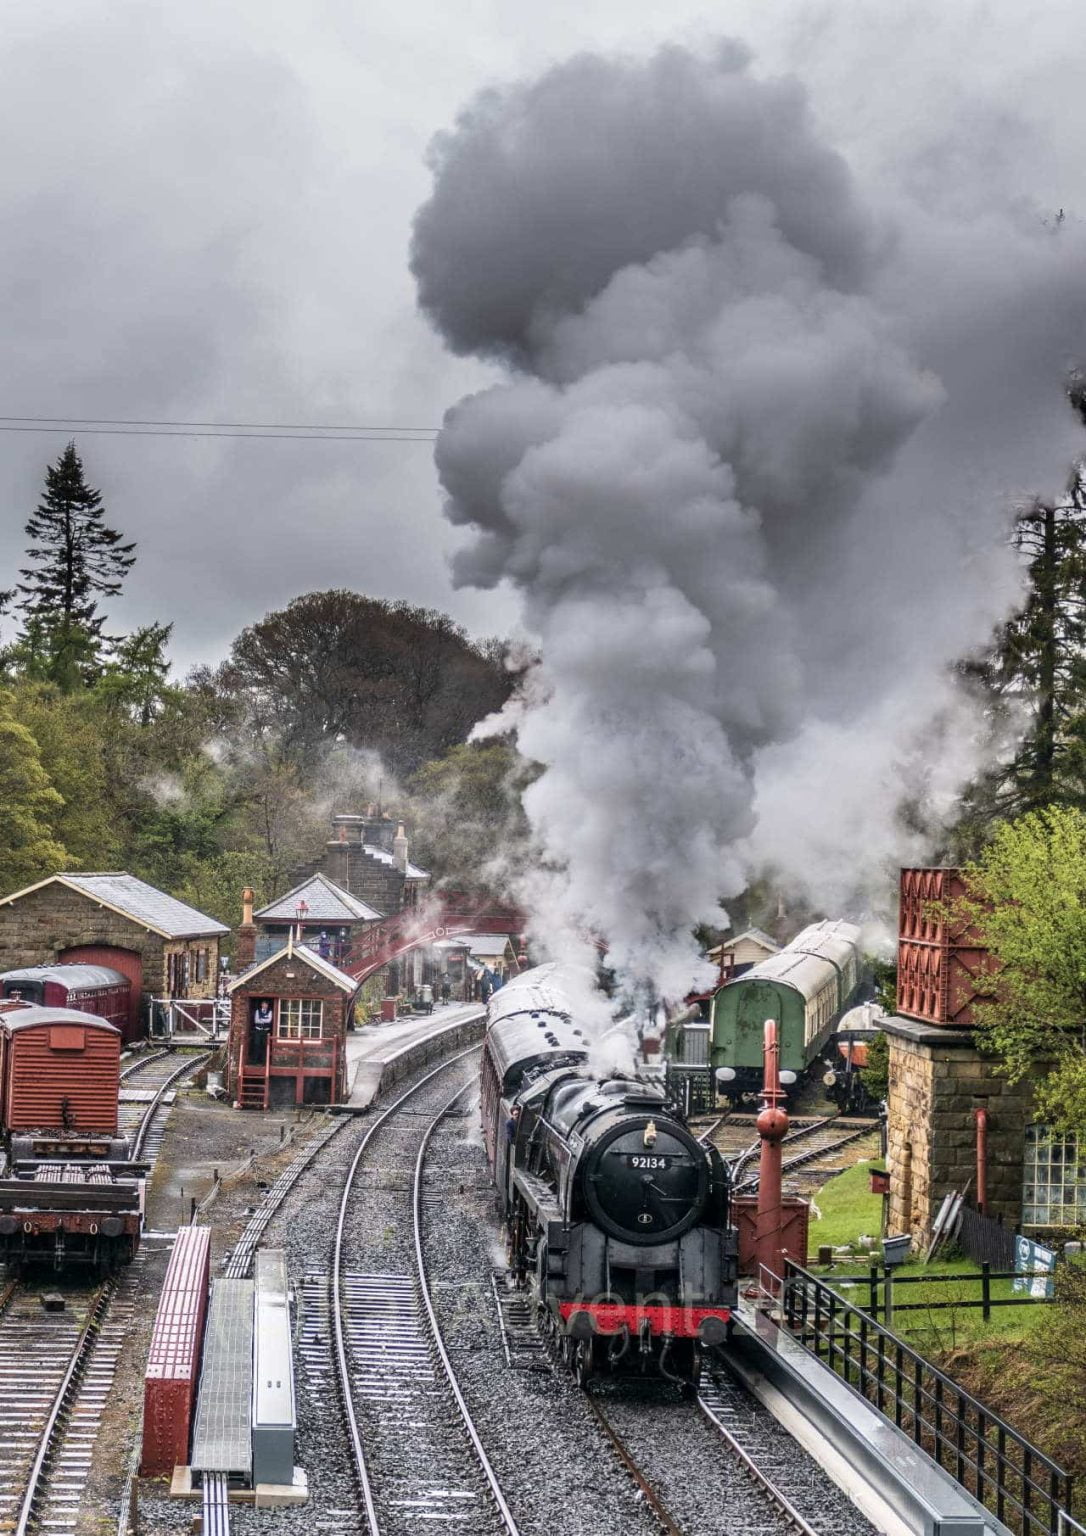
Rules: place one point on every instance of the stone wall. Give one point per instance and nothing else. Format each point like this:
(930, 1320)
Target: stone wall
(937, 1079)
(36, 929)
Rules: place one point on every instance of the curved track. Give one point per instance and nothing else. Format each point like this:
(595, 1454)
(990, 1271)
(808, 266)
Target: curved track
(419, 1460)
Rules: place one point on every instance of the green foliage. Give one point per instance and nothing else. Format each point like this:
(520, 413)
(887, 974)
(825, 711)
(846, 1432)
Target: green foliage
(136, 679)
(28, 806)
(1026, 903)
(75, 559)
(876, 1074)
(401, 681)
(71, 731)
(469, 825)
(1032, 681)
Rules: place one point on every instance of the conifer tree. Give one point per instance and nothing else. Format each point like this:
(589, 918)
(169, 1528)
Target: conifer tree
(75, 559)
(1033, 679)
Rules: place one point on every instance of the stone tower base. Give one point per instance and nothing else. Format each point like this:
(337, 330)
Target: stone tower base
(937, 1079)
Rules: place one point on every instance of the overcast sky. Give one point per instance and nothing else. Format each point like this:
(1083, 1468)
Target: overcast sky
(207, 215)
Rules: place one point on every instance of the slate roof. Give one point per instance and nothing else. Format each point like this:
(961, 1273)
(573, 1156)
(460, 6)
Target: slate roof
(757, 934)
(413, 871)
(327, 903)
(308, 957)
(134, 899)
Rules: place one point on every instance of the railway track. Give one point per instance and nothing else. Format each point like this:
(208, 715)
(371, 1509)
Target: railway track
(51, 1397)
(753, 1480)
(418, 1456)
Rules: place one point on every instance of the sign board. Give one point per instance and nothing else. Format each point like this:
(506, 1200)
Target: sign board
(1034, 1267)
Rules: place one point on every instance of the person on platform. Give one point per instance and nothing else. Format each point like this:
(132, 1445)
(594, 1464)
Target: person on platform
(261, 1030)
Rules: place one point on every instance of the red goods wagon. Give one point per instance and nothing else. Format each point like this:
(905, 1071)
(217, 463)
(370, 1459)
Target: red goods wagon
(97, 989)
(940, 965)
(173, 1361)
(61, 1075)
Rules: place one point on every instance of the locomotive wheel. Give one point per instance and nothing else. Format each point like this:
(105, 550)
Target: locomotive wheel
(583, 1363)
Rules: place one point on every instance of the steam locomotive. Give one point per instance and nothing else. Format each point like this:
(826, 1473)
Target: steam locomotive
(617, 1218)
(70, 1195)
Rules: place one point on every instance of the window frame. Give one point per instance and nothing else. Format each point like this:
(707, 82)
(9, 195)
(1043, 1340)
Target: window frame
(310, 1010)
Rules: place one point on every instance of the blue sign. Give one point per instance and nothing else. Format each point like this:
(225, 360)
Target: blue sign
(1034, 1266)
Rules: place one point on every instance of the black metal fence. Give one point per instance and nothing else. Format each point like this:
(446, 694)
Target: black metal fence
(884, 1285)
(986, 1240)
(1019, 1483)
(690, 1088)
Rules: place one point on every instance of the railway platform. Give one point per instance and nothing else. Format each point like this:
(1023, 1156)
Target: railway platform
(899, 1488)
(378, 1054)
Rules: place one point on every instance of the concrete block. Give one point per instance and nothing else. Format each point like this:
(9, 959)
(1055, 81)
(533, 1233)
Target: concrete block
(279, 1495)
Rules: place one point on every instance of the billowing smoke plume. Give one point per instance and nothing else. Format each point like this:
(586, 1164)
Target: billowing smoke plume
(750, 473)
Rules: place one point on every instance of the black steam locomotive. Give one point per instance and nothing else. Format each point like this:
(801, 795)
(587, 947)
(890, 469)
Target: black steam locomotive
(617, 1216)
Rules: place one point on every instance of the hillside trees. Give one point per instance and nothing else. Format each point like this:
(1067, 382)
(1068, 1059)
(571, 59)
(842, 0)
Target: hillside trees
(469, 826)
(28, 806)
(75, 559)
(1027, 903)
(404, 682)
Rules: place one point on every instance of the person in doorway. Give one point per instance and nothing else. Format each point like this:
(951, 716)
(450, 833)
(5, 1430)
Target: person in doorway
(260, 1032)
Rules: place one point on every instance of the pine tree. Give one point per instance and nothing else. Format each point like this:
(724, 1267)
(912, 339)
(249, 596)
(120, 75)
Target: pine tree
(1033, 679)
(75, 559)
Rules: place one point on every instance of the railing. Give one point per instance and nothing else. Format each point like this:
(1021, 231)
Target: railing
(889, 1283)
(989, 1459)
(208, 1016)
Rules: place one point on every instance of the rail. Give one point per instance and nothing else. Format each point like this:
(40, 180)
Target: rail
(354, 1435)
(76, 1365)
(709, 1403)
(982, 1452)
(435, 1327)
(187, 1067)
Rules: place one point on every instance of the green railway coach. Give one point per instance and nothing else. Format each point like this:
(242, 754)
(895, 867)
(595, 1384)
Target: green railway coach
(805, 988)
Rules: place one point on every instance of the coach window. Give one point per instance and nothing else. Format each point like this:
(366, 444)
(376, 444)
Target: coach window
(300, 1018)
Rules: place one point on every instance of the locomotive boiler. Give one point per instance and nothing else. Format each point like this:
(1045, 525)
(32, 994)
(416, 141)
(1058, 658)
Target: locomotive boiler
(617, 1217)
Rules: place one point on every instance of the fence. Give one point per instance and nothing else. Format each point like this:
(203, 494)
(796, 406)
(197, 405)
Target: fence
(985, 1277)
(985, 1240)
(690, 1088)
(989, 1459)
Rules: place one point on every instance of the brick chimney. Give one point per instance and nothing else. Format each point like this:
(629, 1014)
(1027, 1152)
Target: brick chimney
(399, 849)
(244, 935)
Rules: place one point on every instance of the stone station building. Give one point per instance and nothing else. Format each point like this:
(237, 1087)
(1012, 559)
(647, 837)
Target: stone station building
(166, 948)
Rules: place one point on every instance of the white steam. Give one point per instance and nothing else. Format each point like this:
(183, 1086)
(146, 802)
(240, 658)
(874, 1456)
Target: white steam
(751, 474)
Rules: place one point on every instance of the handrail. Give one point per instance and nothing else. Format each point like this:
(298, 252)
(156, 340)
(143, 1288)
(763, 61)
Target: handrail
(941, 1416)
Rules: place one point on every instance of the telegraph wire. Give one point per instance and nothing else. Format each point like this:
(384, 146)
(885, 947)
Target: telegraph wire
(232, 426)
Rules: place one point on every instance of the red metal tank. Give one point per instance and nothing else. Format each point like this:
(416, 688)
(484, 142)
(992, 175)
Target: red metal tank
(940, 966)
(173, 1361)
(61, 1071)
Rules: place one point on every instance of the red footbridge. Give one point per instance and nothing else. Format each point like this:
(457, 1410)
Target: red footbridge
(445, 915)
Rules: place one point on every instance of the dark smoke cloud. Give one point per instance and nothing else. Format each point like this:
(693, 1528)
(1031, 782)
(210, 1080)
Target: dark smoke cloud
(545, 190)
(751, 478)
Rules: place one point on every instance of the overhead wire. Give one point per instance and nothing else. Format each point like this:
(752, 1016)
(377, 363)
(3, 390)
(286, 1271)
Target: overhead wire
(106, 426)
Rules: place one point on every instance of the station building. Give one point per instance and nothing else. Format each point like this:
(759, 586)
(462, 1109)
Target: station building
(956, 1126)
(289, 1016)
(166, 948)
